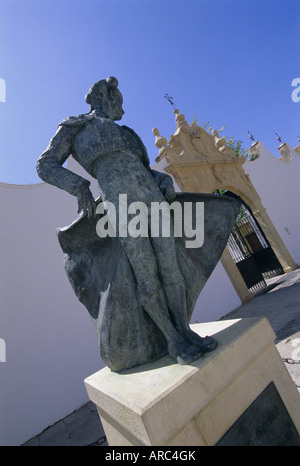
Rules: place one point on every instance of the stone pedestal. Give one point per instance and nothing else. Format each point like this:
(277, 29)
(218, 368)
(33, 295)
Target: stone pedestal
(240, 394)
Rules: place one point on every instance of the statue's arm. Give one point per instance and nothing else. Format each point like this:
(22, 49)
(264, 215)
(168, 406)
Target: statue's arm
(49, 165)
(165, 184)
(50, 169)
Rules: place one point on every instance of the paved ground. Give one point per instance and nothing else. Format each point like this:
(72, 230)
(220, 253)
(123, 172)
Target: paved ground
(280, 303)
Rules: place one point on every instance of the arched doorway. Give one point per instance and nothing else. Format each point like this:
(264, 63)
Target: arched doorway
(251, 251)
(197, 163)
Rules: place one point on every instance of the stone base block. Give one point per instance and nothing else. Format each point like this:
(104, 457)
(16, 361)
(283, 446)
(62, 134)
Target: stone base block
(239, 394)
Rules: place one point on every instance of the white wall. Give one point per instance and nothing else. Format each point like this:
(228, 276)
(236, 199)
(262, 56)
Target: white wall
(278, 185)
(217, 298)
(51, 344)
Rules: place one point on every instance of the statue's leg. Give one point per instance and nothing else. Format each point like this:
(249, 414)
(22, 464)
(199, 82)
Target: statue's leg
(178, 348)
(176, 297)
(143, 261)
(175, 292)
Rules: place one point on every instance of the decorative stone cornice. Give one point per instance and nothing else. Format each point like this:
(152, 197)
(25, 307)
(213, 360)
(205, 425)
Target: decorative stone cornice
(192, 145)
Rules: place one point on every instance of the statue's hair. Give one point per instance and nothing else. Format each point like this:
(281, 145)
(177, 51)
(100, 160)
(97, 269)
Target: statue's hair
(100, 89)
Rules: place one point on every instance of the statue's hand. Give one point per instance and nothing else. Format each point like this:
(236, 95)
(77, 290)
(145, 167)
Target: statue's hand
(86, 202)
(167, 188)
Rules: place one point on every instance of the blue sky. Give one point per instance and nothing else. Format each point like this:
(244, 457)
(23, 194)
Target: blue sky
(226, 61)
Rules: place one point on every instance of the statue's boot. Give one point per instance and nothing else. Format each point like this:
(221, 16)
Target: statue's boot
(176, 298)
(178, 348)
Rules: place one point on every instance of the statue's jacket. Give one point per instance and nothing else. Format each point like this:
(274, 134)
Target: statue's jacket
(72, 138)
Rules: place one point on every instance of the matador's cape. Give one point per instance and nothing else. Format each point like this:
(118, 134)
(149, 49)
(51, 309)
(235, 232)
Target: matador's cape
(103, 280)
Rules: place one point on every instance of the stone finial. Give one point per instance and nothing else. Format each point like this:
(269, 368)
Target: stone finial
(297, 149)
(180, 120)
(160, 141)
(219, 141)
(285, 151)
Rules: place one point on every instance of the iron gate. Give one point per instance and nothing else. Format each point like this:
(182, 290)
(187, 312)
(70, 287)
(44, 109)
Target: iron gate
(251, 251)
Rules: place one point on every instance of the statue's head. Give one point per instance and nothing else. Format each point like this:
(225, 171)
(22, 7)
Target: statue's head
(105, 96)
